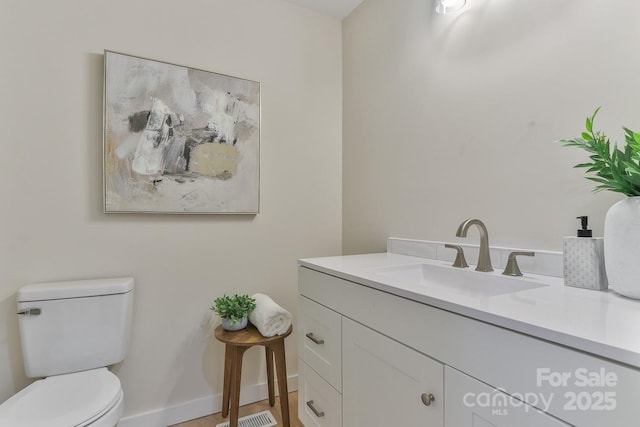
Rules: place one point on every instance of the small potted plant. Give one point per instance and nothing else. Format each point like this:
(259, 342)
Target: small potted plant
(234, 310)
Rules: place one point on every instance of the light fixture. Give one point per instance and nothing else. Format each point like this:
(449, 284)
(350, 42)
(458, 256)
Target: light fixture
(444, 7)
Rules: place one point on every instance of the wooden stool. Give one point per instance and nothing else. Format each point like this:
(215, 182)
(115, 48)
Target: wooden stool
(236, 343)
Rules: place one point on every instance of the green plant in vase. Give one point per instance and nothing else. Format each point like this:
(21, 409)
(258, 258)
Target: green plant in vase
(234, 310)
(616, 169)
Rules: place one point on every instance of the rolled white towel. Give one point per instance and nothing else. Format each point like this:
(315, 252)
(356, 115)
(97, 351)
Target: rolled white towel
(270, 318)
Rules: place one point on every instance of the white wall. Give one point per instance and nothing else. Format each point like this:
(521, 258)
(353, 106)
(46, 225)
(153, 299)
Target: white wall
(451, 117)
(53, 227)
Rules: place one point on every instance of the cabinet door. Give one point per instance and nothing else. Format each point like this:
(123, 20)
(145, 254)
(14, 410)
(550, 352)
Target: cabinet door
(471, 403)
(386, 383)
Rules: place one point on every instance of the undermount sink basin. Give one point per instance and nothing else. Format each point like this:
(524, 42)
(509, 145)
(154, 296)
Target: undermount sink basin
(461, 281)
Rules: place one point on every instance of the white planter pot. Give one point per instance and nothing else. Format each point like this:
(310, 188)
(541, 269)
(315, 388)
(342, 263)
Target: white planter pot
(240, 324)
(622, 247)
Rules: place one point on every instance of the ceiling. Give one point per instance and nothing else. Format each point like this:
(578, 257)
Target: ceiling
(338, 8)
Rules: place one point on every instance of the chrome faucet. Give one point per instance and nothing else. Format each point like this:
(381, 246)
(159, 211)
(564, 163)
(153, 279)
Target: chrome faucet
(484, 260)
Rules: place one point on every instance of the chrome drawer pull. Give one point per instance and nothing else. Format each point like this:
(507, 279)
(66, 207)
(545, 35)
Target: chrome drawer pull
(318, 414)
(314, 339)
(30, 311)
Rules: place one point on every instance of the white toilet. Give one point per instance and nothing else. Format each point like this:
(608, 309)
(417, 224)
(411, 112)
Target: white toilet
(70, 333)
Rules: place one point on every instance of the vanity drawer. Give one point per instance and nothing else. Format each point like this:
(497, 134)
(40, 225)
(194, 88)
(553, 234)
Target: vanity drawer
(319, 404)
(319, 340)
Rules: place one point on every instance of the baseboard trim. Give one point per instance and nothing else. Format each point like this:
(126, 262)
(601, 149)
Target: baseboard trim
(200, 407)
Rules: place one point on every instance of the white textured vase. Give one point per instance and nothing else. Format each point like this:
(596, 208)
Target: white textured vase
(240, 324)
(622, 247)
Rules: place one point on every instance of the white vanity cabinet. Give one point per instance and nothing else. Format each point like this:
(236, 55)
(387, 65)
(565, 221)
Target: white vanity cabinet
(387, 383)
(385, 360)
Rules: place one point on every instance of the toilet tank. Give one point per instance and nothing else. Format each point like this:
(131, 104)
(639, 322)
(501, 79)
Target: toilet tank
(74, 326)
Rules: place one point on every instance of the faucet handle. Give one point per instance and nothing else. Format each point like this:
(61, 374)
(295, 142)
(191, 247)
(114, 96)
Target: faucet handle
(512, 268)
(460, 262)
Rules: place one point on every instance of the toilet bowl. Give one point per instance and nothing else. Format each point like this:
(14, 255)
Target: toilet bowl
(70, 333)
(82, 399)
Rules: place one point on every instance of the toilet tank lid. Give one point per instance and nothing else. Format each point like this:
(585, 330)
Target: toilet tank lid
(75, 289)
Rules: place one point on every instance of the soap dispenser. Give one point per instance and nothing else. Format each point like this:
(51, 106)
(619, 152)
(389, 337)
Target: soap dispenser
(583, 257)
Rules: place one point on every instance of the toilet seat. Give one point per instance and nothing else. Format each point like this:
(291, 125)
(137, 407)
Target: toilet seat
(68, 400)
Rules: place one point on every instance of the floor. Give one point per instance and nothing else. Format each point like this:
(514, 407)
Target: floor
(212, 420)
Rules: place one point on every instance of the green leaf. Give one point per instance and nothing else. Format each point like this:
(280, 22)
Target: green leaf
(632, 169)
(583, 165)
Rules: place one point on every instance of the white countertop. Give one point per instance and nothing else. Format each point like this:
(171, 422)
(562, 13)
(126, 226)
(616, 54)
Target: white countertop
(602, 323)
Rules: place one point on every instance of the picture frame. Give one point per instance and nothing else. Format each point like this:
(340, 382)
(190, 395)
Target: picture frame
(179, 140)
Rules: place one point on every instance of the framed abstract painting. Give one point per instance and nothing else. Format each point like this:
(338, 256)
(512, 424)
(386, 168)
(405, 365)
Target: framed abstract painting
(179, 139)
